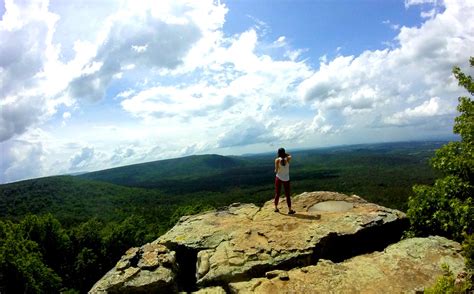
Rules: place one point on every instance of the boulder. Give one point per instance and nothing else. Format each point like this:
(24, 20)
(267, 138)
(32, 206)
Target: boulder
(150, 268)
(405, 267)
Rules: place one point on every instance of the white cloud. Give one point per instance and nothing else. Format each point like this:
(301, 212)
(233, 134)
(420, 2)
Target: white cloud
(428, 14)
(122, 154)
(21, 160)
(417, 115)
(158, 102)
(249, 131)
(195, 148)
(30, 77)
(154, 37)
(125, 94)
(24, 32)
(144, 41)
(82, 159)
(409, 3)
(262, 27)
(146, 81)
(234, 83)
(140, 49)
(387, 82)
(393, 26)
(17, 115)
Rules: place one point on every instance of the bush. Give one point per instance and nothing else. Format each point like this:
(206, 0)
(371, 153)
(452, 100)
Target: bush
(21, 264)
(447, 284)
(444, 209)
(447, 207)
(468, 251)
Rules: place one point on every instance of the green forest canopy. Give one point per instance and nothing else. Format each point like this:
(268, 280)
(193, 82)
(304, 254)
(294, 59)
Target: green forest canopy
(65, 232)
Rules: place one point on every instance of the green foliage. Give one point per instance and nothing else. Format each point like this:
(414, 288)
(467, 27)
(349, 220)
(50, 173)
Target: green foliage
(446, 284)
(120, 236)
(468, 251)
(73, 200)
(81, 227)
(98, 246)
(447, 207)
(149, 175)
(444, 209)
(51, 238)
(87, 235)
(375, 172)
(452, 159)
(87, 268)
(464, 80)
(87, 254)
(21, 264)
(38, 255)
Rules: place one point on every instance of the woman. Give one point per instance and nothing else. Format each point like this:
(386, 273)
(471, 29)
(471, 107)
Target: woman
(282, 170)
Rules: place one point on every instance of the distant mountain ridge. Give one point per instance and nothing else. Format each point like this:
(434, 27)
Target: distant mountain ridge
(204, 168)
(144, 174)
(376, 171)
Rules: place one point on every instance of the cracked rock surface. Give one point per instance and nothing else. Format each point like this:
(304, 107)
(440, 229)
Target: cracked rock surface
(220, 251)
(150, 268)
(246, 240)
(404, 267)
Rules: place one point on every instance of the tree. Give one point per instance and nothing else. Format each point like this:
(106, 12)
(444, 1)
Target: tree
(447, 207)
(53, 241)
(22, 269)
(87, 267)
(118, 237)
(87, 270)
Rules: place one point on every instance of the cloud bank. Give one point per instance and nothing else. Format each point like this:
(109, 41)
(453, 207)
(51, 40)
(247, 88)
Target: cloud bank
(143, 81)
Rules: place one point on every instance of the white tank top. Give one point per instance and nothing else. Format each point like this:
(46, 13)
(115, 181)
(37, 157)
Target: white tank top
(283, 171)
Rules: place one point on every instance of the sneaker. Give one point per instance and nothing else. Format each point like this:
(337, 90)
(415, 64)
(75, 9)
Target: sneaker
(291, 211)
(276, 210)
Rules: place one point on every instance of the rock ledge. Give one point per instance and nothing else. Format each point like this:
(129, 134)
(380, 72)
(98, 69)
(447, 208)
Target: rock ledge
(245, 247)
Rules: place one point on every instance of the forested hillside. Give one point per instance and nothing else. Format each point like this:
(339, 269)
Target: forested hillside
(94, 217)
(382, 173)
(152, 174)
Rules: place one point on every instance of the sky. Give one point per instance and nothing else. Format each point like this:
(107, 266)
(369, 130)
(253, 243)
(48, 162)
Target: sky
(89, 85)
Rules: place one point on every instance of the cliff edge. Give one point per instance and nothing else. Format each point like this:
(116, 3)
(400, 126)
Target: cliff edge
(334, 243)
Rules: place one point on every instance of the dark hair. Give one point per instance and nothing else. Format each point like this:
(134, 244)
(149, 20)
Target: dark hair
(282, 154)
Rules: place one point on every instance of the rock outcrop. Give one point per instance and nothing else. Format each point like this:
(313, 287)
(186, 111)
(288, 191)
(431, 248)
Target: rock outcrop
(149, 269)
(405, 267)
(244, 247)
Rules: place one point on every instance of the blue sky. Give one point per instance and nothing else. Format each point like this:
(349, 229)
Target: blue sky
(89, 85)
(324, 26)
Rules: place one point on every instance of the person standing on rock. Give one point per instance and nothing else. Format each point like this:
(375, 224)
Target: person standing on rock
(282, 170)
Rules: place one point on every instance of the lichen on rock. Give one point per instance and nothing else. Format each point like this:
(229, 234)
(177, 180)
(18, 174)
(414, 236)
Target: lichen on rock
(150, 268)
(404, 267)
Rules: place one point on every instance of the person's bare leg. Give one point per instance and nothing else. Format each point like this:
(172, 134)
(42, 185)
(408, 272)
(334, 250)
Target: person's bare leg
(286, 185)
(277, 193)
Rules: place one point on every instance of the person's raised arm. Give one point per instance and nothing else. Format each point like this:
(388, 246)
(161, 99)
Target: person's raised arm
(288, 156)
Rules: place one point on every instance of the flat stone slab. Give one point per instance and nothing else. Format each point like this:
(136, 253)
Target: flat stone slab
(331, 206)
